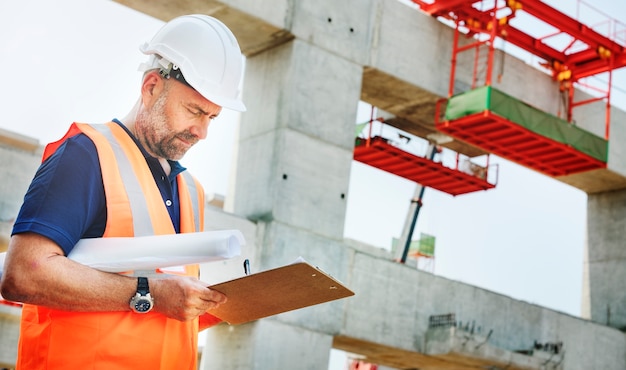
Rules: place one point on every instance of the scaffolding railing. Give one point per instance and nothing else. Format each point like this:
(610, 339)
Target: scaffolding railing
(478, 167)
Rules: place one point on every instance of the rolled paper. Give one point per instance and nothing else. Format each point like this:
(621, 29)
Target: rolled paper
(121, 254)
(157, 251)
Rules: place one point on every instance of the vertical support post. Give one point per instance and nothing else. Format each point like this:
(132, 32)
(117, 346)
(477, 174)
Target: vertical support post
(487, 168)
(570, 102)
(607, 126)
(475, 72)
(455, 51)
(492, 46)
(414, 210)
(369, 134)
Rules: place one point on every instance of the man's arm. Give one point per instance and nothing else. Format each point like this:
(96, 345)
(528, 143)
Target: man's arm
(37, 272)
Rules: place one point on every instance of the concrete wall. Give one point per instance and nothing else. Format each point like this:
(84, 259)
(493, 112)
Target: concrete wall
(392, 306)
(19, 158)
(396, 301)
(9, 334)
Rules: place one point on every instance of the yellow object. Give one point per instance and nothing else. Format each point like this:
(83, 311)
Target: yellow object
(564, 75)
(603, 52)
(514, 5)
(472, 23)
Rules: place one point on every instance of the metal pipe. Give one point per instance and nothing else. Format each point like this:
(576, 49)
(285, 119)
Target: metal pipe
(418, 206)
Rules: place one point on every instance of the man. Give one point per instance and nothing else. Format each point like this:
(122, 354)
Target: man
(122, 179)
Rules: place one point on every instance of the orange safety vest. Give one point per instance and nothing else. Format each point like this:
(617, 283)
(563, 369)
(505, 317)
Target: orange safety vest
(53, 339)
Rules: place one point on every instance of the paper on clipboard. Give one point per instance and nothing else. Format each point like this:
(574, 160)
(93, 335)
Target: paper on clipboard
(275, 291)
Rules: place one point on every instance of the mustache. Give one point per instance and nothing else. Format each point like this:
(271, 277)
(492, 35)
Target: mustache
(188, 137)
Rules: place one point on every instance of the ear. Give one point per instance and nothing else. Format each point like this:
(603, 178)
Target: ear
(151, 88)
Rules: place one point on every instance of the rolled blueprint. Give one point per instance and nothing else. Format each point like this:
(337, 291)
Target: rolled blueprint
(157, 251)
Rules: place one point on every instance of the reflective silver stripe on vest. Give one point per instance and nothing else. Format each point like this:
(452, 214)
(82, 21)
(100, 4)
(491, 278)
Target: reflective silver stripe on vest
(195, 202)
(142, 223)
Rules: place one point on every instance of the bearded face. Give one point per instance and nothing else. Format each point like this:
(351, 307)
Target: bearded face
(157, 133)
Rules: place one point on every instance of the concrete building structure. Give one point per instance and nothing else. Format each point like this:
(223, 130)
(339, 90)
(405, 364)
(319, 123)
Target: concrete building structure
(19, 159)
(308, 65)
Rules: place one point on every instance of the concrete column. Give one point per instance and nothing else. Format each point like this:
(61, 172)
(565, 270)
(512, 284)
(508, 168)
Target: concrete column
(266, 344)
(606, 259)
(292, 175)
(296, 140)
(19, 158)
(9, 334)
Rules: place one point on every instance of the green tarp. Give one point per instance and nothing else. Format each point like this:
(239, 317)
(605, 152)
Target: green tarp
(424, 246)
(542, 123)
(359, 127)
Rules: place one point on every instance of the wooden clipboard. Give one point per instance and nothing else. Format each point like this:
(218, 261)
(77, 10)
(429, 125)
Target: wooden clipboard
(276, 291)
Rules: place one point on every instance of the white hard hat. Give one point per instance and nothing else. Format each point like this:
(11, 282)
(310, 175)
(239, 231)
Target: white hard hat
(207, 54)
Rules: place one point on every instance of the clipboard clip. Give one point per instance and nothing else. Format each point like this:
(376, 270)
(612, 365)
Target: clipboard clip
(246, 267)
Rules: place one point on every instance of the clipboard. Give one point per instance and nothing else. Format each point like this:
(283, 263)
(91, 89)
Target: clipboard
(275, 291)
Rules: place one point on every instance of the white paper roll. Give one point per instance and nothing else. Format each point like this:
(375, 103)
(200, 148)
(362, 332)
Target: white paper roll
(158, 251)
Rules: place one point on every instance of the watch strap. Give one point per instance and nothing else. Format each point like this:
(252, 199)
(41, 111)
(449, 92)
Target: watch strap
(142, 286)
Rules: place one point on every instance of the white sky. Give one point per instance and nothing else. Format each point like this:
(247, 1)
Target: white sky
(76, 60)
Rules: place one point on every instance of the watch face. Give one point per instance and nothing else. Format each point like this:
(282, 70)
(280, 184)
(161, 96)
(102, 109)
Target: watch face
(143, 304)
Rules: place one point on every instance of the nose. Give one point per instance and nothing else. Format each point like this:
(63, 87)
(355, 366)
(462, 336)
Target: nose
(199, 129)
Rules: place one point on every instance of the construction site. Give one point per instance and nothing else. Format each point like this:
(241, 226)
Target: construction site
(308, 65)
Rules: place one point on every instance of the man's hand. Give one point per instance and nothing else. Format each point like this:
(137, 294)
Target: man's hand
(183, 298)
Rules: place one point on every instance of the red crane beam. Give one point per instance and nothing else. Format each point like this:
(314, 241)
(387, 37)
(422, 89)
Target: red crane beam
(570, 26)
(594, 59)
(439, 8)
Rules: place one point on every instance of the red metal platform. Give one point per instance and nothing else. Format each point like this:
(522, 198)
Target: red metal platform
(588, 53)
(380, 154)
(509, 140)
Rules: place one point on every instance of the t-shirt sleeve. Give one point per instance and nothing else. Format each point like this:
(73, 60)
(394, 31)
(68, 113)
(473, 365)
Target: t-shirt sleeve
(65, 201)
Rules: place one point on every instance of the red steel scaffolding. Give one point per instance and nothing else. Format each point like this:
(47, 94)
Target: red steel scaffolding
(585, 53)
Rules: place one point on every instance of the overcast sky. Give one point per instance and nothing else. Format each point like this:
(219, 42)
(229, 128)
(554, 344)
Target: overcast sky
(76, 60)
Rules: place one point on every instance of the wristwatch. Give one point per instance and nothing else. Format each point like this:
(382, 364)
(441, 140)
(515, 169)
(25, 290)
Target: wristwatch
(142, 301)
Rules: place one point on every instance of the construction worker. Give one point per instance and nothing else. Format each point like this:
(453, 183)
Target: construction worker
(123, 179)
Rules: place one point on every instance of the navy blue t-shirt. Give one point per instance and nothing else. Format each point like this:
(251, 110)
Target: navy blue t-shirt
(66, 202)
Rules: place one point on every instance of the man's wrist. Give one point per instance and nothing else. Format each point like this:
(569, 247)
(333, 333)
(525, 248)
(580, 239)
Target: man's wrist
(142, 301)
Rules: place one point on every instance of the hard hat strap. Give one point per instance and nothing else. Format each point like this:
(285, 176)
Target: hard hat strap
(168, 69)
